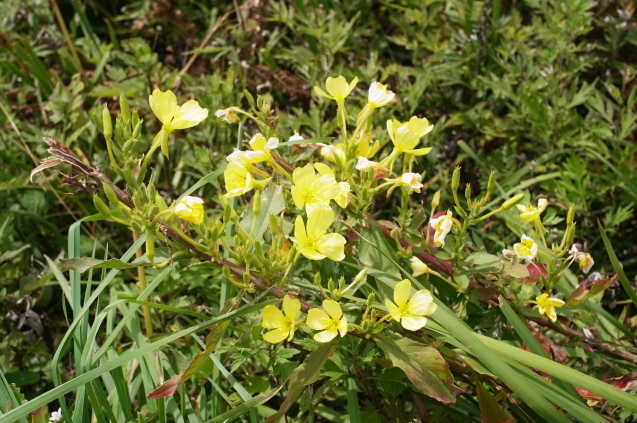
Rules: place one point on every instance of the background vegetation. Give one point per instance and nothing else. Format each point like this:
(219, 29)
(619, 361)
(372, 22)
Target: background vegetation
(542, 92)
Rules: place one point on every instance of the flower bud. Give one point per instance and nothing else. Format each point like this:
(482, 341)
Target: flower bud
(137, 130)
(136, 226)
(360, 275)
(246, 279)
(370, 300)
(124, 107)
(110, 194)
(491, 183)
(256, 203)
(570, 216)
(150, 246)
(455, 179)
(317, 279)
(436, 200)
(226, 272)
(107, 124)
(467, 193)
(274, 224)
(512, 202)
(571, 234)
(101, 206)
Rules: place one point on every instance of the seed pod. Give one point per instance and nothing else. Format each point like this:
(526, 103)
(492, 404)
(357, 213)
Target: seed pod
(512, 202)
(110, 194)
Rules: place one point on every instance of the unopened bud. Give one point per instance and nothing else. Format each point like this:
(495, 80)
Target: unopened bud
(570, 216)
(317, 279)
(330, 285)
(125, 109)
(137, 130)
(360, 275)
(256, 203)
(436, 200)
(226, 271)
(512, 202)
(274, 224)
(341, 283)
(246, 278)
(110, 194)
(491, 183)
(101, 206)
(455, 179)
(370, 300)
(467, 193)
(160, 203)
(150, 246)
(107, 124)
(571, 234)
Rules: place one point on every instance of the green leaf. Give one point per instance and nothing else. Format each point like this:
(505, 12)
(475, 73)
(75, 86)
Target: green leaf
(617, 265)
(422, 364)
(516, 270)
(491, 412)
(302, 376)
(82, 264)
(482, 263)
(272, 202)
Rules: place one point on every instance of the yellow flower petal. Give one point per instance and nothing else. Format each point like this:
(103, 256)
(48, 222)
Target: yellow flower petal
(317, 319)
(332, 246)
(393, 309)
(163, 105)
(272, 318)
(414, 322)
(277, 335)
(401, 292)
(333, 309)
(188, 115)
(291, 307)
(422, 303)
(326, 335)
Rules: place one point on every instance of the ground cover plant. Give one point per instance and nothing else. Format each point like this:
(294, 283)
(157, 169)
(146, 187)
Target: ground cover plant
(328, 211)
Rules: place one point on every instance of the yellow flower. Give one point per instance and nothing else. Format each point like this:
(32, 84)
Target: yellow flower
(228, 114)
(585, 260)
(546, 305)
(314, 242)
(442, 225)
(238, 180)
(529, 213)
(333, 153)
(164, 105)
(410, 313)
(258, 143)
(411, 181)
(330, 321)
(343, 196)
(379, 95)
(406, 136)
(311, 191)
(364, 146)
(282, 323)
(338, 88)
(526, 249)
(190, 209)
(418, 267)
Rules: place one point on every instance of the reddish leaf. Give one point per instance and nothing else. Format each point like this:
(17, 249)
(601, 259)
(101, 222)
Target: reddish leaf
(167, 388)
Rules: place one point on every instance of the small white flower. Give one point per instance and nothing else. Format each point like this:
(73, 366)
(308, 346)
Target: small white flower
(363, 163)
(272, 143)
(418, 267)
(411, 181)
(379, 95)
(585, 260)
(442, 225)
(508, 254)
(526, 249)
(227, 115)
(296, 137)
(56, 416)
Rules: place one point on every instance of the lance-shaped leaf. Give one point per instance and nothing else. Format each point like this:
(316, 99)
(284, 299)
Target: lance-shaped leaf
(422, 364)
(490, 410)
(302, 376)
(170, 386)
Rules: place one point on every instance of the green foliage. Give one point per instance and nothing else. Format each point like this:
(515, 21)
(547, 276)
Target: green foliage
(542, 92)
